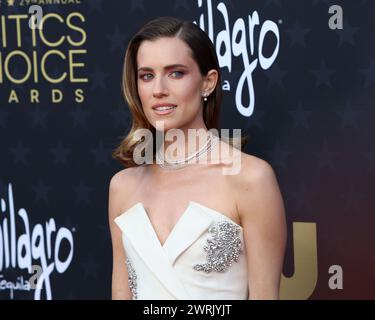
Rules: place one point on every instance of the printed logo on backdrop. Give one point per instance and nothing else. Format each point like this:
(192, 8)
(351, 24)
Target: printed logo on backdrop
(35, 252)
(40, 47)
(234, 41)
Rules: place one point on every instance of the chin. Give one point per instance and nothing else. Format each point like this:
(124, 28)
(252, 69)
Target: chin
(165, 125)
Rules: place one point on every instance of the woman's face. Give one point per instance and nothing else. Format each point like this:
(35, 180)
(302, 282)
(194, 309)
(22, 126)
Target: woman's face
(159, 82)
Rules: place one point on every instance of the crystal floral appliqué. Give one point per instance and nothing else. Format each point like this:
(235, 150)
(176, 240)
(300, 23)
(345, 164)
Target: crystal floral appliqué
(222, 248)
(132, 278)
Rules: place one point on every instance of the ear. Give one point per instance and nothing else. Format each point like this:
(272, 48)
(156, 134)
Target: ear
(210, 81)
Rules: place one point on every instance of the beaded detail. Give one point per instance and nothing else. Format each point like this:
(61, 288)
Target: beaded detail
(132, 278)
(222, 248)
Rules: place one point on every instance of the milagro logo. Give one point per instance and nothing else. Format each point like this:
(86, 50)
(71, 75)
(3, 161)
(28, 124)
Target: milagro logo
(235, 40)
(33, 248)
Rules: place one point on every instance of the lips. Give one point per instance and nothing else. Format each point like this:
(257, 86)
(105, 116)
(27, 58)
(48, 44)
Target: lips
(164, 108)
(160, 111)
(158, 105)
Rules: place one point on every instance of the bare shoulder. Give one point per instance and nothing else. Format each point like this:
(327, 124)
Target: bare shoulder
(250, 165)
(248, 170)
(120, 187)
(254, 169)
(124, 177)
(255, 185)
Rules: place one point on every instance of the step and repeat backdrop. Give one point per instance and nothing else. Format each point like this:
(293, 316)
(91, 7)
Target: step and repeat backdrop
(298, 79)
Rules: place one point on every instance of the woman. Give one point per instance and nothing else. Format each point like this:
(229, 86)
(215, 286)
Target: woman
(192, 232)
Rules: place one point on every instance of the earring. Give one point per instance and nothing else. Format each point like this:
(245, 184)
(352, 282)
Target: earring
(205, 96)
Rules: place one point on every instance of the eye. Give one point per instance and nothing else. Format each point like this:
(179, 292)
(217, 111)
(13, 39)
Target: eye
(178, 72)
(143, 76)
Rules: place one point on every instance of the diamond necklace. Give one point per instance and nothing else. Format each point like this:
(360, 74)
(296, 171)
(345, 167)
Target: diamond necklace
(210, 143)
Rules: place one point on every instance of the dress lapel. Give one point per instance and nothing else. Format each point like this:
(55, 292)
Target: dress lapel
(136, 225)
(192, 224)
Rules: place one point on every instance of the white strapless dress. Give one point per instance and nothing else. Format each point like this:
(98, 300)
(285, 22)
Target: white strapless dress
(204, 257)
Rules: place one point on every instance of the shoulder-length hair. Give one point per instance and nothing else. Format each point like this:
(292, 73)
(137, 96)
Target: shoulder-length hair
(203, 52)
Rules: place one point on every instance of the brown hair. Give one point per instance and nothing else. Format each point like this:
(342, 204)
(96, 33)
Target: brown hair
(203, 52)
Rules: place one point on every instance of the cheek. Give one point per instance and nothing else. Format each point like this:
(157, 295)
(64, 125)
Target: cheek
(189, 92)
(144, 96)
(141, 91)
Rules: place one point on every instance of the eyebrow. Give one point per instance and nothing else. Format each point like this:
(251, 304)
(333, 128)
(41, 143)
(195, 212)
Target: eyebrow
(171, 66)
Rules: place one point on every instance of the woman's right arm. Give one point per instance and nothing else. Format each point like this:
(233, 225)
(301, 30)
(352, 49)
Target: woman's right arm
(120, 286)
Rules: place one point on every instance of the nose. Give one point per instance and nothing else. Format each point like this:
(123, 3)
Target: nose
(160, 88)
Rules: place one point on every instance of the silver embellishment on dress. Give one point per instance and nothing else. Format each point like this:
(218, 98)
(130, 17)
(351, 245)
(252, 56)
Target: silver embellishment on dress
(132, 278)
(222, 248)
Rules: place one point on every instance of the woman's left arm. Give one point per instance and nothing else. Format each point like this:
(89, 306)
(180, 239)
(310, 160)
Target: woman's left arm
(261, 209)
